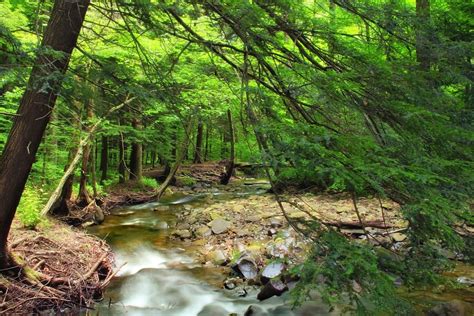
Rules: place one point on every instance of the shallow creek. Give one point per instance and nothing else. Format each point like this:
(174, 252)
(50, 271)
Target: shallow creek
(159, 277)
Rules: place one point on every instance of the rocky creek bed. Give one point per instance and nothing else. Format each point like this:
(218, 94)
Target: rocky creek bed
(218, 250)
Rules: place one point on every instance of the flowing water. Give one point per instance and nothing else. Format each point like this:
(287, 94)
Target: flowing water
(159, 277)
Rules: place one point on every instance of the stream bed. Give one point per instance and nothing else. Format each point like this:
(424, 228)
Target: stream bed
(158, 275)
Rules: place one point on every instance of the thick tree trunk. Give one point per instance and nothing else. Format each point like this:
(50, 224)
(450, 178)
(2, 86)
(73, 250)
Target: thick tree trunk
(198, 149)
(231, 163)
(104, 158)
(423, 55)
(136, 168)
(35, 109)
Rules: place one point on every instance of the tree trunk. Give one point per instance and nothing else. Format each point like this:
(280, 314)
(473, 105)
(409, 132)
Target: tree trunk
(422, 34)
(231, 163)
(35, 109)
(104, 159)
(206, 150)
(136, 168)
(198, 149)
(122, 167)
(179, 158)
(84, 197)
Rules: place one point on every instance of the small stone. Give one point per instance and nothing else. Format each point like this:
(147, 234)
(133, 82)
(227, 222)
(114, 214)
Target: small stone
(452, 308)
(188, 207)
(272, 288)
(182, 233)
(465, 280)
(229, 284)
(271, 232)
(220, 226)
(253, 218)
(243, 232)
(398, 237)
(276, 223)
(218, 257)
(203, 231)
(161, 208)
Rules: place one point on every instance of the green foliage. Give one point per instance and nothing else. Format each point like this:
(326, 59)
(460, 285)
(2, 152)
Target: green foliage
(337, 267)
(28, 211)
(149, 183)
(186, 180)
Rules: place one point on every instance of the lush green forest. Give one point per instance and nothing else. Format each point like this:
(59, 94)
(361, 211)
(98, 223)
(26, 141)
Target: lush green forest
(105, 102)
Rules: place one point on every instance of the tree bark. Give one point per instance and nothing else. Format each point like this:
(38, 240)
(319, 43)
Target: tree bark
(198, 149)
(122, 167)
(84, 197)
(35, 109)
(104, 158)
(136, 168)
(231, 163)
(69, 172)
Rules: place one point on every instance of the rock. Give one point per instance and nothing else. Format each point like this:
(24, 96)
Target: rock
(276, 223)
(398, 237)
(218, 257)
(465, 280)
(247, 267)
(243, 232)
(161, 208)
(219, 226)
(213, 310)
(188, 207)
(271, 232)
(229, 284)
(203, 231)
(162, 225)
(271, 271)
(272, 288)
(182, 233)
(253, 218)
(452, 308)
(255, 310)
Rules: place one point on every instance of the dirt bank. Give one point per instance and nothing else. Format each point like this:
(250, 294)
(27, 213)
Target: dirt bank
(62, 270)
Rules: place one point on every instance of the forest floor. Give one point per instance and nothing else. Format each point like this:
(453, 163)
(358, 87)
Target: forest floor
(61, 269)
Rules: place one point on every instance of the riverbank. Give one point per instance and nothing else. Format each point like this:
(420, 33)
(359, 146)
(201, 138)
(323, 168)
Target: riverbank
(62, 269)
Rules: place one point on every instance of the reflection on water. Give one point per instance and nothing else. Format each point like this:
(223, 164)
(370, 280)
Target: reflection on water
(157, 277)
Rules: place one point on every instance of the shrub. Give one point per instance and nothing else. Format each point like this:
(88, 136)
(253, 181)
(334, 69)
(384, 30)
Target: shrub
(29, 208)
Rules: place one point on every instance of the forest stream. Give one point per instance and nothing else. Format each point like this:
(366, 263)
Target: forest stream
(159, 274)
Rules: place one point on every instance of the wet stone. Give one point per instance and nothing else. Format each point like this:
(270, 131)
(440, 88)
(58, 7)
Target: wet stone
(182, 233)
(220, 226)
(203, 231)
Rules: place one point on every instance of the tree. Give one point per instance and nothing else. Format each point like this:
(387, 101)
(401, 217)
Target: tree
(35, 109)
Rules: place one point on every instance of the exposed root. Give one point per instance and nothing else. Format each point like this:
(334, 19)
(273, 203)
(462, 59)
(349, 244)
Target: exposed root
(61, 270)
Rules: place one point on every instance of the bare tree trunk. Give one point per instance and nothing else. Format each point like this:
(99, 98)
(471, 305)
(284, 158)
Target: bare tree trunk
(104, 158)
(35, 109)
(84, 197)
(198, 149)
(231, 163)
(122, 168)
(136, 168)
(206, 150)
